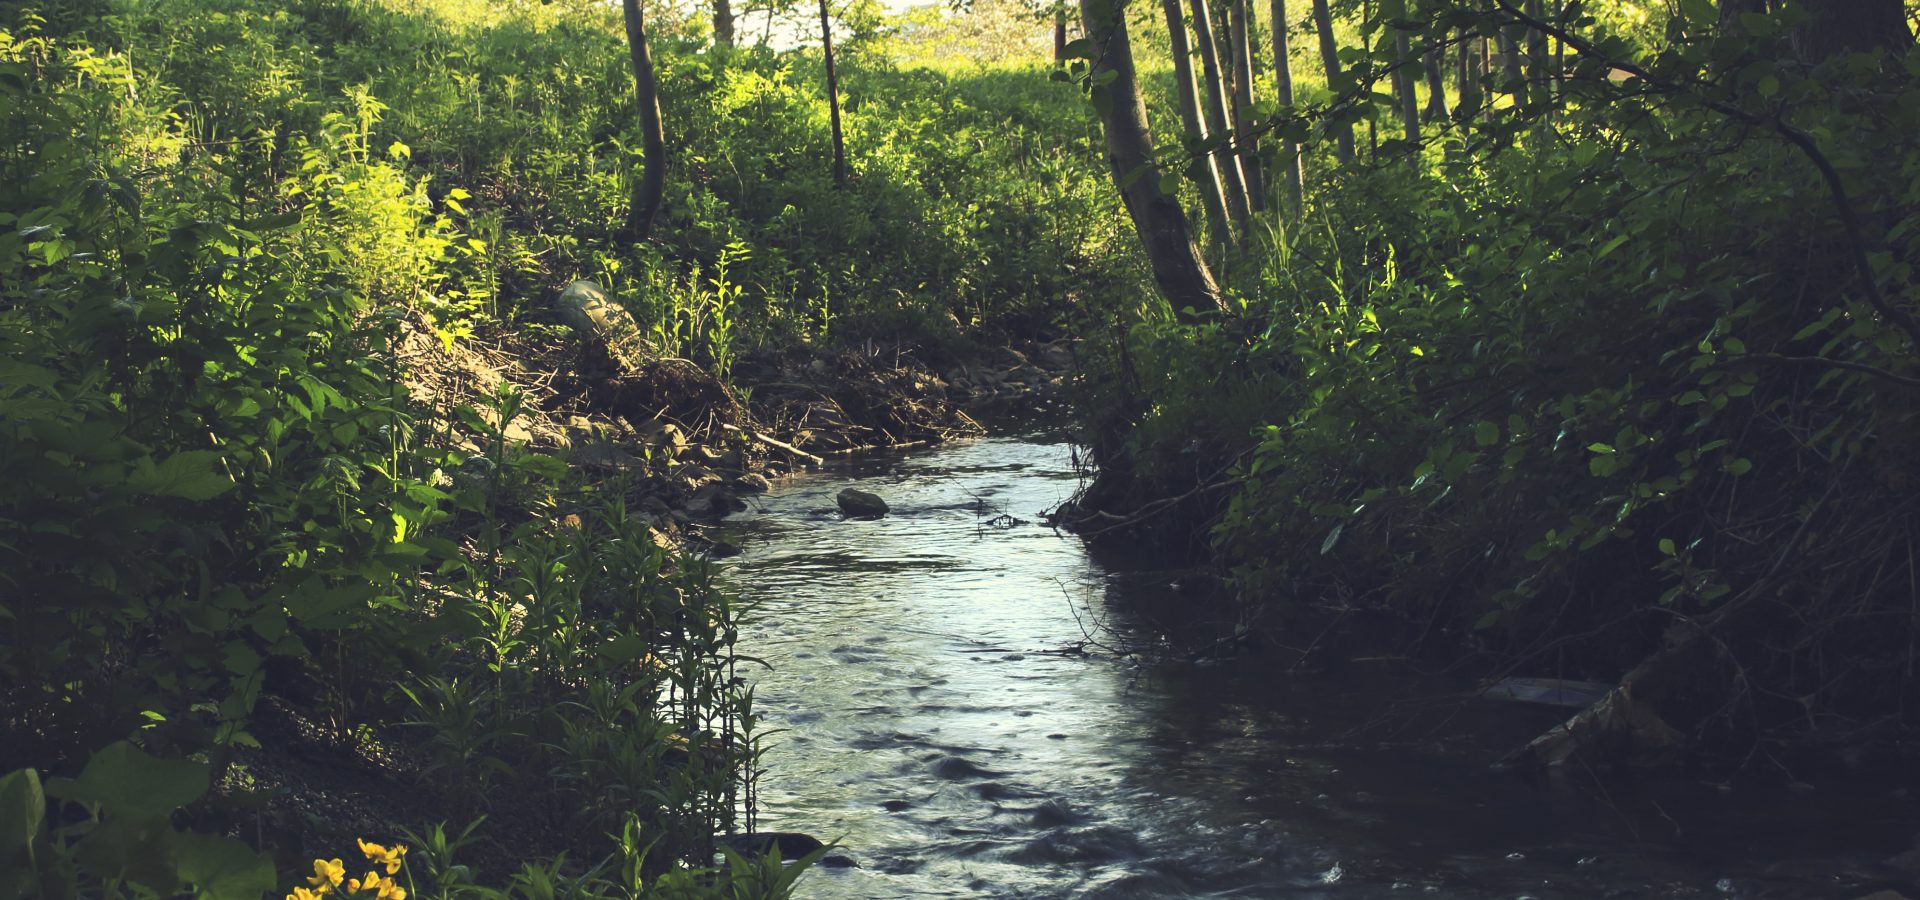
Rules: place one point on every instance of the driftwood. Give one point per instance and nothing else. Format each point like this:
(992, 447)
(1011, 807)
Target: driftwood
(1686, 683)
(775, 444)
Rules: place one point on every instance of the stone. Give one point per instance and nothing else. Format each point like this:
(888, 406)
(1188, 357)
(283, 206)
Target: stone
(664, 437)
(752, 483)
(602, 323)
(858, 504)
(714, 501)
(1054, 356)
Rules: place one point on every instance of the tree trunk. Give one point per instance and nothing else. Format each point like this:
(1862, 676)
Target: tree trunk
(1409, 104)
(1537, 58)
(1330, 63)
(1283, 87)
(1218, 123)
(1060, 35)
(1851, 26)
(1240, 43)
(723, 23)
(1470, 70)
(652, 186)
(1730, 11)
(1178, 269)
(833, 99)
(1510, 53)
(1436, 110)
(1212, 195)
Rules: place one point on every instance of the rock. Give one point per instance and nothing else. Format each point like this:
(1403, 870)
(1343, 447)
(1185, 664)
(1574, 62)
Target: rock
(603, 456)
(789, 844)
(664, 437)
(1054, 356)
(858, 504)
(714, 501)
(602, 323)
(691, 477)
(752, 483)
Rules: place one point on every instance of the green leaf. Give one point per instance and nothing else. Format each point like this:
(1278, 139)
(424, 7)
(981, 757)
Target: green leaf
(1333, 537)
(125, 781)
(22, 806)
(1739, 466)
(1667, 546)
(1485, 433)
(188, 474)
(222, 868)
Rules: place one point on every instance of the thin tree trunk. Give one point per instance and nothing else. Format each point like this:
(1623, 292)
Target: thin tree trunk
(723, 22)
(1218, 123)
(1060, 35)
(833, 99)
(1330, 64)
(1240, 44)
(1283, 88)
(1537, 58)
(1471, 50)
(1178, 269)
(1212, 195)
(648, 192)
(1510, 52)
(1403, 75)
(1436, 110)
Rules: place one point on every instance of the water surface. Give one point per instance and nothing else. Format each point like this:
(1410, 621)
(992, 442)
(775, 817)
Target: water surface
(950, 718)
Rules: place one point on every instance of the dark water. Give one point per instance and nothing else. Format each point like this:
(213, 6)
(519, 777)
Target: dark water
(934, 727)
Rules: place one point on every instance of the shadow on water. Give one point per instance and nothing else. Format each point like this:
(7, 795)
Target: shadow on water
(932, 723)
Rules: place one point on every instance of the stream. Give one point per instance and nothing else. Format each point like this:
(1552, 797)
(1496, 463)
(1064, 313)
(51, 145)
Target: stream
(935, 719)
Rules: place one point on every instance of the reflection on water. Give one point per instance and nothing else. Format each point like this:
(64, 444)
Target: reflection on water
(933, 725)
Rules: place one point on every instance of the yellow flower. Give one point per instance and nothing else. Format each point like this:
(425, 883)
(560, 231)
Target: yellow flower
(381, 888)
(389, 857)
(326, 874)
(301, 893)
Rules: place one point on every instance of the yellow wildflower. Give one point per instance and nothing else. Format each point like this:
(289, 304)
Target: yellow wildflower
(327, 874)
(301, 893)
(389, 857)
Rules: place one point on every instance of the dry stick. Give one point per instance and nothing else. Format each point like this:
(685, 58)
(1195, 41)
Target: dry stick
(777, 445)
(1856, 241)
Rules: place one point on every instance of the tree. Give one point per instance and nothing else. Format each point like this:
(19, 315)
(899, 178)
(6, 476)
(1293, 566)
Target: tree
(1403, 81)
(1179, 271)
(723, 23)
(1330, 62)
(1212, 195)
(1436, 110)
(1240, 49)
(1472, 66)
(1851, 26)
(833, 98)
(1217, 121)
(1283, 89)
(647, 193)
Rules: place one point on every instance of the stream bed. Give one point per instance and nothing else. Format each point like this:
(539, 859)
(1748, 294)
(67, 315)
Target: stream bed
(937, 721)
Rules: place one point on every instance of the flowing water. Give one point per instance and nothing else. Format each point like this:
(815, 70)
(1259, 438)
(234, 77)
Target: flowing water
(941, 722)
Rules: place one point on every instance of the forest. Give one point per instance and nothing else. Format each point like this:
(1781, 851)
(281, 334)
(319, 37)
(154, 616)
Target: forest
(385, 383)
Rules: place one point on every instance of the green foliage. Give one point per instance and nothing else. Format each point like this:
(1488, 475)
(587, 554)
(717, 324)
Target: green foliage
(1612, 353)
(222, 491)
